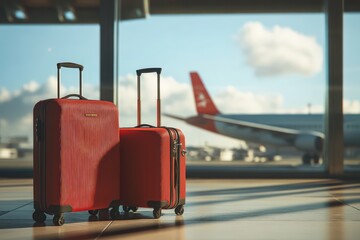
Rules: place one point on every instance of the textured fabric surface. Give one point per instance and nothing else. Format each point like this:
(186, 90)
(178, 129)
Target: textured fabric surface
(76, 159)
(147, 168)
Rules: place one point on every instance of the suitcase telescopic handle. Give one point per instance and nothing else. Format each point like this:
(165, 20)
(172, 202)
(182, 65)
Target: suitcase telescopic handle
(148, 70)
(69, 65)
(158, 106)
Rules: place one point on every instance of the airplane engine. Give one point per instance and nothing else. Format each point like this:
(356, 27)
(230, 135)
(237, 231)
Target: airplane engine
(309, 143)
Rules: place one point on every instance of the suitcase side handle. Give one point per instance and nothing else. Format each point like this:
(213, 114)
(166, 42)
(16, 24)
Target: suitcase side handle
(158, 104)
(69, 65)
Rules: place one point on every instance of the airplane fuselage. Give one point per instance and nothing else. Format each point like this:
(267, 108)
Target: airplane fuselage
(304, 132)
(301, 122)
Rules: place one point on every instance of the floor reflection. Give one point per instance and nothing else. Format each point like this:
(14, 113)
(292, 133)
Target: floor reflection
(258, 208)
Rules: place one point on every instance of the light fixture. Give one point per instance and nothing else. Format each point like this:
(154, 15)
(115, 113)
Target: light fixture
(15, 11)
(66, 11)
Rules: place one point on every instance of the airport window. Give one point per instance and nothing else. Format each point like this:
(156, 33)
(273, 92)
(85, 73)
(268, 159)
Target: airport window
(29, 54)
(351, 103)
(243, 76)
(256, 66)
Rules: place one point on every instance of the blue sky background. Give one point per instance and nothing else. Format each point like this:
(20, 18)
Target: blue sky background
(178, 44)
(206, 43)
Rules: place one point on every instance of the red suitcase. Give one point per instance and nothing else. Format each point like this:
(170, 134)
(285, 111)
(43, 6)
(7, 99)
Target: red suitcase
(76, 155)
(152, 163)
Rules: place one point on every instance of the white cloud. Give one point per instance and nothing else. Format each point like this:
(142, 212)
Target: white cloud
(351, 106)
(4, 95)
(177, 98)
(280, 50)
(230, 100)
(16, 107)
(31, 86)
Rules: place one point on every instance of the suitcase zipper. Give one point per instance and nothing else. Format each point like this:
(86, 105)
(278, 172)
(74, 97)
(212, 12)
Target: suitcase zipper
(172, 145)
(42, 155)
(175, 146)
(39, 167)
(171, 166)
(177, 167)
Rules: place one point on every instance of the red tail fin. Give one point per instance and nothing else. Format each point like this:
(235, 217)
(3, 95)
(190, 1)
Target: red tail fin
(204, 103)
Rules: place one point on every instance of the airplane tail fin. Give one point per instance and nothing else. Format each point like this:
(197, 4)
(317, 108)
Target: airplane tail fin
(203, 101)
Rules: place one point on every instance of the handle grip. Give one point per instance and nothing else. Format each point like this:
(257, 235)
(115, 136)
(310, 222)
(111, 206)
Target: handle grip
(74, 95)
(145, 126)
(158, 104)
(69, 65)
(148, 70)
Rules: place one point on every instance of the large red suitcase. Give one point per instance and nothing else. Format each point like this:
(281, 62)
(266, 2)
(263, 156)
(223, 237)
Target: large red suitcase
(153, 171)
(76, 155)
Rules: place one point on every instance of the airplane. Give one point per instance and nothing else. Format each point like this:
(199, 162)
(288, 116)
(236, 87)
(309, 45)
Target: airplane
(303, 132)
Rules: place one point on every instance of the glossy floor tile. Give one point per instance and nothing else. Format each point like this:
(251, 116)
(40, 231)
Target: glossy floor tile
(215, 209)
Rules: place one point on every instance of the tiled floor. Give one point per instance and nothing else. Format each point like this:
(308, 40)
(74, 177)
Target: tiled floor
(216, 209)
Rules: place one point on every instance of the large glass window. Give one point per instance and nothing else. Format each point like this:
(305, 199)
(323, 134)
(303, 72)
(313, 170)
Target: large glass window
(351, 102)
(28, 58)
(266, 70)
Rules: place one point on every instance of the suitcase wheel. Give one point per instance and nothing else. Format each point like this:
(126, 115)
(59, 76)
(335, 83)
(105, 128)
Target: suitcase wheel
(114, 213)
(157, 213)
(127, 209)
(179, 210)
(39, 217)
(93, 212)
(134, 209)
(59, 219)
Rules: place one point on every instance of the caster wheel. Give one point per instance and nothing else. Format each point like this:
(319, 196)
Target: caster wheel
(157, 213)
(103, 214)
(179, 210)
(39, 217)
(114, 213)
(134, 209)
(93, 212)
(93, 218)
(59, 220)
(126, 209)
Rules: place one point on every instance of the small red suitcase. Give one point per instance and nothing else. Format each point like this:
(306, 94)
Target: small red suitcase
(76, 155)
(152, 163)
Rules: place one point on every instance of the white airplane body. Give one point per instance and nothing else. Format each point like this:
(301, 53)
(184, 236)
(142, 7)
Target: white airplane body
(303, 132)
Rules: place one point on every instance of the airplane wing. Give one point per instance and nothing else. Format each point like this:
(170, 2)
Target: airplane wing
(173, 116)
(276, 131)
(310, 141)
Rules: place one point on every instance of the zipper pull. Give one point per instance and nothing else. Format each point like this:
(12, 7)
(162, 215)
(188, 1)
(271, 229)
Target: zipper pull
(183, 152)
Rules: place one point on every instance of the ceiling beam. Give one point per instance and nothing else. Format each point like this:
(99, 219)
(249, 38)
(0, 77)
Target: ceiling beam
(87, 12)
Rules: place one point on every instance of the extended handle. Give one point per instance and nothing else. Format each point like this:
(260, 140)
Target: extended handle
(148, 70)
(158, 105)
(69, 65)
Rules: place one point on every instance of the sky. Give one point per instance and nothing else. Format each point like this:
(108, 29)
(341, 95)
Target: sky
(250, 63)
